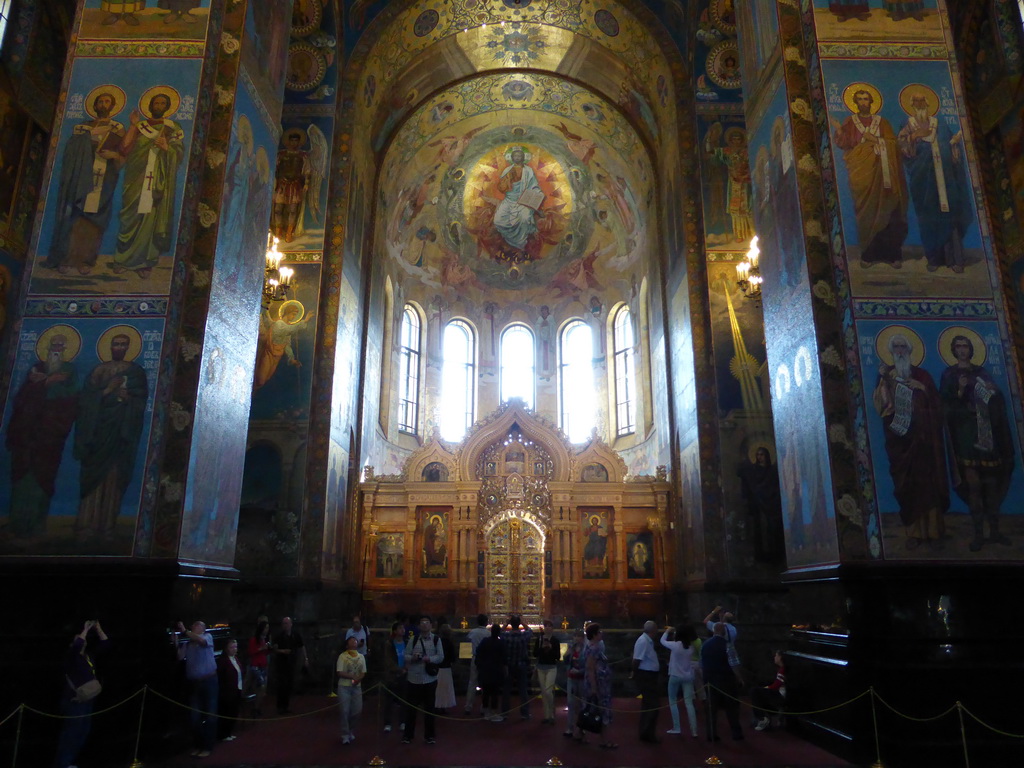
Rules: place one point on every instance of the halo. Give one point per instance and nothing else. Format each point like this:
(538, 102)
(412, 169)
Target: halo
(291, 303)
(119, 99)
(134, 342)
(440, 522)
(882, 344)
(263, 164)
(72, 343)
(852, 88)
(946, 340)
(754, 447)
(919, 89)
(244, 131)
(160, 90)
(295, 132)
(729, 132)
(510, 150)
(595, 520)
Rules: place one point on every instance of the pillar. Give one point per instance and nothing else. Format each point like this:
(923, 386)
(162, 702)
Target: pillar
(894, 384)
(143, 294)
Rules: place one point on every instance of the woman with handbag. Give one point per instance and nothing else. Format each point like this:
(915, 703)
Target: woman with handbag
(80, 693)
(597, 689)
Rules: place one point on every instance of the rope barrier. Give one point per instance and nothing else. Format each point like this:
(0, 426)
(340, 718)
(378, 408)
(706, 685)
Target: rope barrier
(88, 714)
(914, 719)
(983, 724)
(143, 692)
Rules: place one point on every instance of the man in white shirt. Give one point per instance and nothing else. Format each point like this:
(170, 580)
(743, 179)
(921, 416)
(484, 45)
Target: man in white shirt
(360, 633)
(475, 637)
(421, 686)
(645, 670)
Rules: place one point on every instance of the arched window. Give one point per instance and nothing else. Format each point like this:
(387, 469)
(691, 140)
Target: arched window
(458, 380)
(576, 380)
(409, 343)
(625, 372)
(5, 15)
(517, 364)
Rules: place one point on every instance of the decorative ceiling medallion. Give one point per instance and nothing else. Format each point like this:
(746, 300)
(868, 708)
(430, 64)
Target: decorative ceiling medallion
(512, 45)
(606, 22)
(306, 67)
(723, 65)
(723, 15)
(306, 17)
(425, 23)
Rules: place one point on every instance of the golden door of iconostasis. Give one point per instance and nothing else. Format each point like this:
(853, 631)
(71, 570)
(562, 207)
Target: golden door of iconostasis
(514, 564)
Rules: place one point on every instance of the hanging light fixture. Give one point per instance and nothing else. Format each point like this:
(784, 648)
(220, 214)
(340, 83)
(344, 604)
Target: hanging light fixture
(748, 275)
(276, 279)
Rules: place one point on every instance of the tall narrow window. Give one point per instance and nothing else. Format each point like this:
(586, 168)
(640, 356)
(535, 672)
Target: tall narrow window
(458, 380)
(625, 373)
(409, 372)
(576, 377)
(517, 364)
(5, 15)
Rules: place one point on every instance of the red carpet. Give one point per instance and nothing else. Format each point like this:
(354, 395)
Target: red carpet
(313, 740)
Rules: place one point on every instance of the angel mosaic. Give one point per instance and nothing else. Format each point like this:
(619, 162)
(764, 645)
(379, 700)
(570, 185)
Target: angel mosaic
(299, 178)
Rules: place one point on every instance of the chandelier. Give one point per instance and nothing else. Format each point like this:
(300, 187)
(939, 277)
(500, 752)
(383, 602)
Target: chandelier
(748, 275)
(276, 279)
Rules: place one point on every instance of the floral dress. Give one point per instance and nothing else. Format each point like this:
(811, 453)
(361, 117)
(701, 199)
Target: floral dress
(603, 672)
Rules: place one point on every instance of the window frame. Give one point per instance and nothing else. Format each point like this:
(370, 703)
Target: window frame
(624, 371)
(409, 378)
(518, 328)
(469, 376)
(564, 414)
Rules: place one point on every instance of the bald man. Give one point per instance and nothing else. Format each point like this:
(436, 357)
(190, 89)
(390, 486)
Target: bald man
(646, 667)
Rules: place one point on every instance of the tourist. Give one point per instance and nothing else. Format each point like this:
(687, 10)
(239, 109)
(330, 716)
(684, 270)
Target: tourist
(80, 692)
(724, 682)
(771, 699)
(229, 690)
(259, 660)
(351, 669)
(360, 633)
(646, 667)
(201, 673)
(421, 683)
(681, 675)
(394, 676)
(517, 657)
(597, 683)
(490, 664)
(727, 618)
(574, 678)
(444, 698)
(289, 653)
(475, 636)
(546, 650)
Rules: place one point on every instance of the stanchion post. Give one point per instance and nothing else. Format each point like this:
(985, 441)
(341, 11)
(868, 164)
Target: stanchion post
(17, 735)
(874, 722)
(963, 733)
(136, 763)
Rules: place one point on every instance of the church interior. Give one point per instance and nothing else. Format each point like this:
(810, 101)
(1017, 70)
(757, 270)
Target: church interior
(582, 310)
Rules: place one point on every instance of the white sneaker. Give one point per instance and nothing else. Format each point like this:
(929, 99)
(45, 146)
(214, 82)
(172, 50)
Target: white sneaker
(674, 731)
(230, 738)
(387, 728)
(497, 719)
(763, 723)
